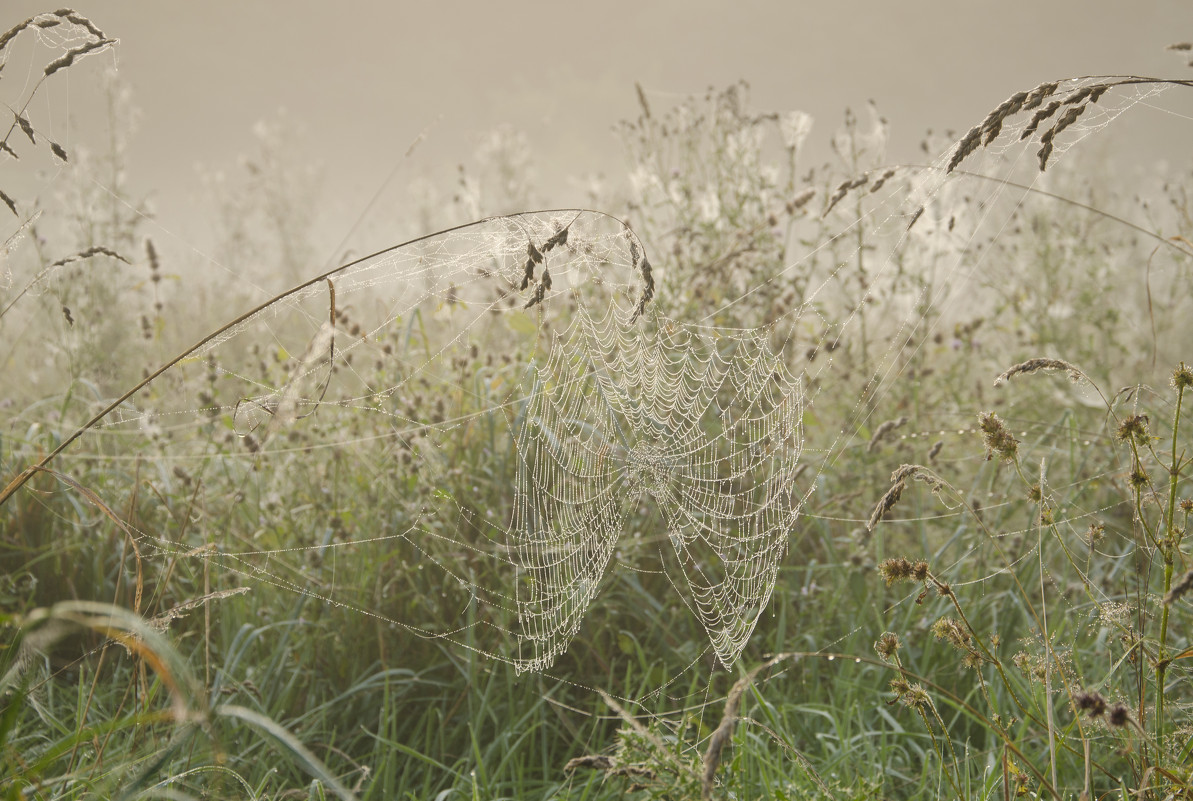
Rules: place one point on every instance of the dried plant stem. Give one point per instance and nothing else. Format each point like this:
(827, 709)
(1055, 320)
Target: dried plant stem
(1043, 503)
(724, 731)
(1167, 551)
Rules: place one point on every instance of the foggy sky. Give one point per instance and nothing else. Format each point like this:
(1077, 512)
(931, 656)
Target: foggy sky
(362, 85)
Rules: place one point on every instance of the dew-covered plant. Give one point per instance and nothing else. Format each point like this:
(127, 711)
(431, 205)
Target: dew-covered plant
(309, 507)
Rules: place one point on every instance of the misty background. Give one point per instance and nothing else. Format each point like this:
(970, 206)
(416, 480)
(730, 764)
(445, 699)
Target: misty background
(374, 106)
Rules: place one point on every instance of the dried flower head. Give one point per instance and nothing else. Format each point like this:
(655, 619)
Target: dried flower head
(951, 631)
(998, 438)
(911, 695)
(1118, 715)
(1138, 479)
(887, 645)
(902, 569)
(1092, 703)
(1134, 429)
(1182, 377)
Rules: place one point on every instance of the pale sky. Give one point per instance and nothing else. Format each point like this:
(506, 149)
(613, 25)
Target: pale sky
(362, 84)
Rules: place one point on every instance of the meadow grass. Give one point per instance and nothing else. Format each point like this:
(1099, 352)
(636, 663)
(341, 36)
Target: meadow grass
(987, 595)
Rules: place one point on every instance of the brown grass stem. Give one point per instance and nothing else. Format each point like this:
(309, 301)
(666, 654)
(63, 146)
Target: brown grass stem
(1168, 551)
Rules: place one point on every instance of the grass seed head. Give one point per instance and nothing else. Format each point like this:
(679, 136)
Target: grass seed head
(1039, 117)
(882, 430)
(968, 144)
(800, 200)
(915, 217)
(999, 440)
(886, 176)
(992, 125)
(12, 32)
(885, 504)
(842, 190)
(1078, 96)
(1037, 365)
(1039, 95)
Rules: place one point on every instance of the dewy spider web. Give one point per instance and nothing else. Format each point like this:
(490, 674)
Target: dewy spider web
(707, 424)
(622, 407)
(514, 401)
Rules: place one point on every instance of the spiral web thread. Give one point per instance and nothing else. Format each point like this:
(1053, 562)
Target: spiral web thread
(704, 423)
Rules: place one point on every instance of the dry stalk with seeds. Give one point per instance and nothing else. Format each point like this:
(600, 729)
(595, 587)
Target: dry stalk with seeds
(52, 268)
(1037, 365)
(1160, 537)
(93, 41)
(642, 756)
(883, 430)
(842, 190)
(899, 479)
(1078, 100)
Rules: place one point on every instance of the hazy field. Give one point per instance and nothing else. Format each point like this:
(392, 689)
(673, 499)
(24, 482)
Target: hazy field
(779, 471)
